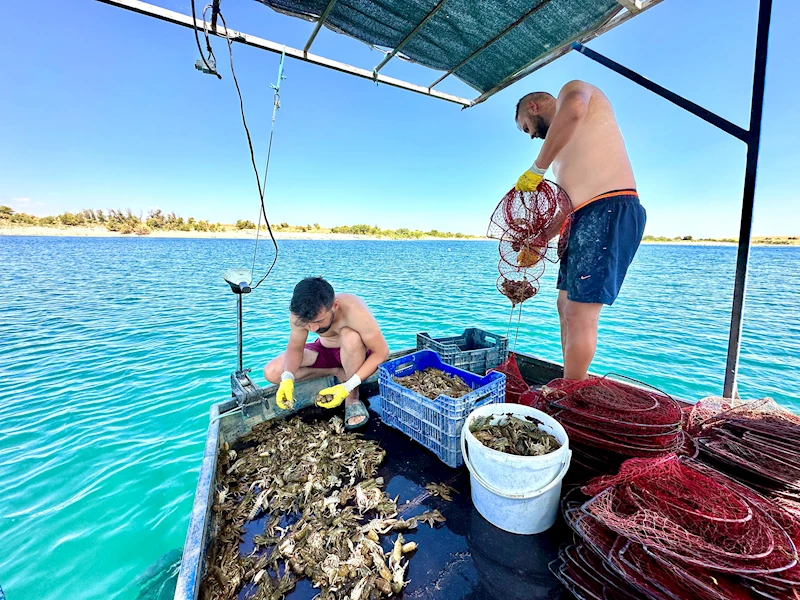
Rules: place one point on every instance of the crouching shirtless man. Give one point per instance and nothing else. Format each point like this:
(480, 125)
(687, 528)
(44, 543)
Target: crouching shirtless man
(350, 346)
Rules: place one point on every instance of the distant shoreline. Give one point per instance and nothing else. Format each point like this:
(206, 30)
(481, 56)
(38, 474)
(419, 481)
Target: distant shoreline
(250, 234)
(236, 234)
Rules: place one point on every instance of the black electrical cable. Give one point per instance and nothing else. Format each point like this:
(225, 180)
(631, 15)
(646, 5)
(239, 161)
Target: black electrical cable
(208, 45)
(261, 189)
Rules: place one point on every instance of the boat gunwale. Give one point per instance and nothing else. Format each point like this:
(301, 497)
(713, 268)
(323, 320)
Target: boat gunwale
(194, 549)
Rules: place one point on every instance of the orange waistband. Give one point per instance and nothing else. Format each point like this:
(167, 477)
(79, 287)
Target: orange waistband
(613, 194)
(607, 195)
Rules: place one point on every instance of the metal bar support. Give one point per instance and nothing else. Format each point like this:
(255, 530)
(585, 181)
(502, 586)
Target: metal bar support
(239, 329)
(748, 198)
(695, 109)
(177, 18)
(524, 17)
(633, 6)
(413, 32)
(318, 26)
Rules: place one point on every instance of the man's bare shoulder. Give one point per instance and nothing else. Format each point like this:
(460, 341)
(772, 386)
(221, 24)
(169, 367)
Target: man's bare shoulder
(357, 313)
(350, 300)
(353, 305)
(576, 86)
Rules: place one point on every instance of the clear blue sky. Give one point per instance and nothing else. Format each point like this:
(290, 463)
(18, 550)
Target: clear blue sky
(103, 108)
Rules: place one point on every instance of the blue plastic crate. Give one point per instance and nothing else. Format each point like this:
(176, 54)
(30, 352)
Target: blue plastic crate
(436, 424)
(475, 350)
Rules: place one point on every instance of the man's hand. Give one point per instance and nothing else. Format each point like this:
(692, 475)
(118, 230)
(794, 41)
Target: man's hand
(285, 395)
(530, 179)
(339, 392)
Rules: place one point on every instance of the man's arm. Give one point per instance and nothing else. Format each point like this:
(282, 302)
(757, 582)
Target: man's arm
(572, 105)
(293, 357)
(366, 325)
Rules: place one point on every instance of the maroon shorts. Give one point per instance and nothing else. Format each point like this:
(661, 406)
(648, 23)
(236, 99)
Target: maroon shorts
(327, 358)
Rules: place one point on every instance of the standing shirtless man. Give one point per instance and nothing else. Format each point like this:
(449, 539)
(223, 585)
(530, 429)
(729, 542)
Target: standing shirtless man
(583, 144)
(350, 346)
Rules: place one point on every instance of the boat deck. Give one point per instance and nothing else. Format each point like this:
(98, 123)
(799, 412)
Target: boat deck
(465, 558)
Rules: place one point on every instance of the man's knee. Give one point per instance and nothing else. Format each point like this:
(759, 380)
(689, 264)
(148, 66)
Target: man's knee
(351, 339)
(561, 304)
(272, 371)
(580, 314)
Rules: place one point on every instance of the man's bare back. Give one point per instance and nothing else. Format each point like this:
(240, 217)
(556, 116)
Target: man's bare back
(595, 160)
(352, 313)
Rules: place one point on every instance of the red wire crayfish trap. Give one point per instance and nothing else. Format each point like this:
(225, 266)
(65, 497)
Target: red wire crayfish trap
(524, 223)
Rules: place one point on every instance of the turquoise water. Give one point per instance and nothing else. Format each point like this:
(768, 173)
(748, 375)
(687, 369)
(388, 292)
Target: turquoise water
(112, 351)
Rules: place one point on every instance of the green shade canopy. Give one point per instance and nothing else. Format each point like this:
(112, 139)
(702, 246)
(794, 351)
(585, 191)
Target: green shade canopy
(482, 42)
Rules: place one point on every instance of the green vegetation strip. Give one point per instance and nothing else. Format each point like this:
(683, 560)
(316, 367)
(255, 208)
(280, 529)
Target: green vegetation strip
(125, 221)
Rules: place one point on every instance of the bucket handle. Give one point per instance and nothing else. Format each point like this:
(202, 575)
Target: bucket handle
(525, 496)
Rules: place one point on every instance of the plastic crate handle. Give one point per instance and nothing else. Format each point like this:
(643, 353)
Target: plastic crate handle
(400, 368)
(439, 342)
(484, 397)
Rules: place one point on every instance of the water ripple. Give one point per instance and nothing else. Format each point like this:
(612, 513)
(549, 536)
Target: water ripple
(113, 350)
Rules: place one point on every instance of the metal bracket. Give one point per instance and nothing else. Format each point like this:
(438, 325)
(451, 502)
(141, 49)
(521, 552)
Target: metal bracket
(246, 393)
(633, 6)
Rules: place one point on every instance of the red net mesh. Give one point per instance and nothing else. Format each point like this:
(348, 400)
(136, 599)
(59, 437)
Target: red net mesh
(524, 223)
(608, 421)
(676, 527)
(680, 509)
(515, 384)
(659, 577)
(757, 443)
(588, 576)
(518, 285)
(709, 411)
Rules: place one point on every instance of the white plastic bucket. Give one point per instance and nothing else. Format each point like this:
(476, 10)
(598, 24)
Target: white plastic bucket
(510, 473)
(515, 495)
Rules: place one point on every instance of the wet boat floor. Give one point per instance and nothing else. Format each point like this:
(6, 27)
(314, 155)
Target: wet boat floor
(465, 558)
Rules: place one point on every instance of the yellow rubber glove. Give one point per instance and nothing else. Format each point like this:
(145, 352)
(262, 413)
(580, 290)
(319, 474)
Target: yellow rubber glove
(339, 392)
(530, 179)
(285, 395)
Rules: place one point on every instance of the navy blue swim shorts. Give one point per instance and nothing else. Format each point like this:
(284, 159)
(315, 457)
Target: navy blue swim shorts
(603, 237)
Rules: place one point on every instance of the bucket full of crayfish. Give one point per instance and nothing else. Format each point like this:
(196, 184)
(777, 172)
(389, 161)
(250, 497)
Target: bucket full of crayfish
(517, 457)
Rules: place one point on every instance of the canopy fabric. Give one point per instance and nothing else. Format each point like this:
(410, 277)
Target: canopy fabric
(484, 42)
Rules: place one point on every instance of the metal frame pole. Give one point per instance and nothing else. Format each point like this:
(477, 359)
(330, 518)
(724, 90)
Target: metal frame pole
(318, 26)
(239, 337)
(177, 18)
(411, 34)
(685, 104)
(748, 198)
(505, 31)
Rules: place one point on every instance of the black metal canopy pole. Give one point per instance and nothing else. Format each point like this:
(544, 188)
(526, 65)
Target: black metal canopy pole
(751, 167)
(752, 138)
(685, 104)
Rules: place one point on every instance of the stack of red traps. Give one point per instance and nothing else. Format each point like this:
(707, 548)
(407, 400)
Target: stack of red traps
(694, 502)
(609, 421)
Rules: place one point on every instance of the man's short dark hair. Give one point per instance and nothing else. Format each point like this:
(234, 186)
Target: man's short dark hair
(311, 296)
(537, 96)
